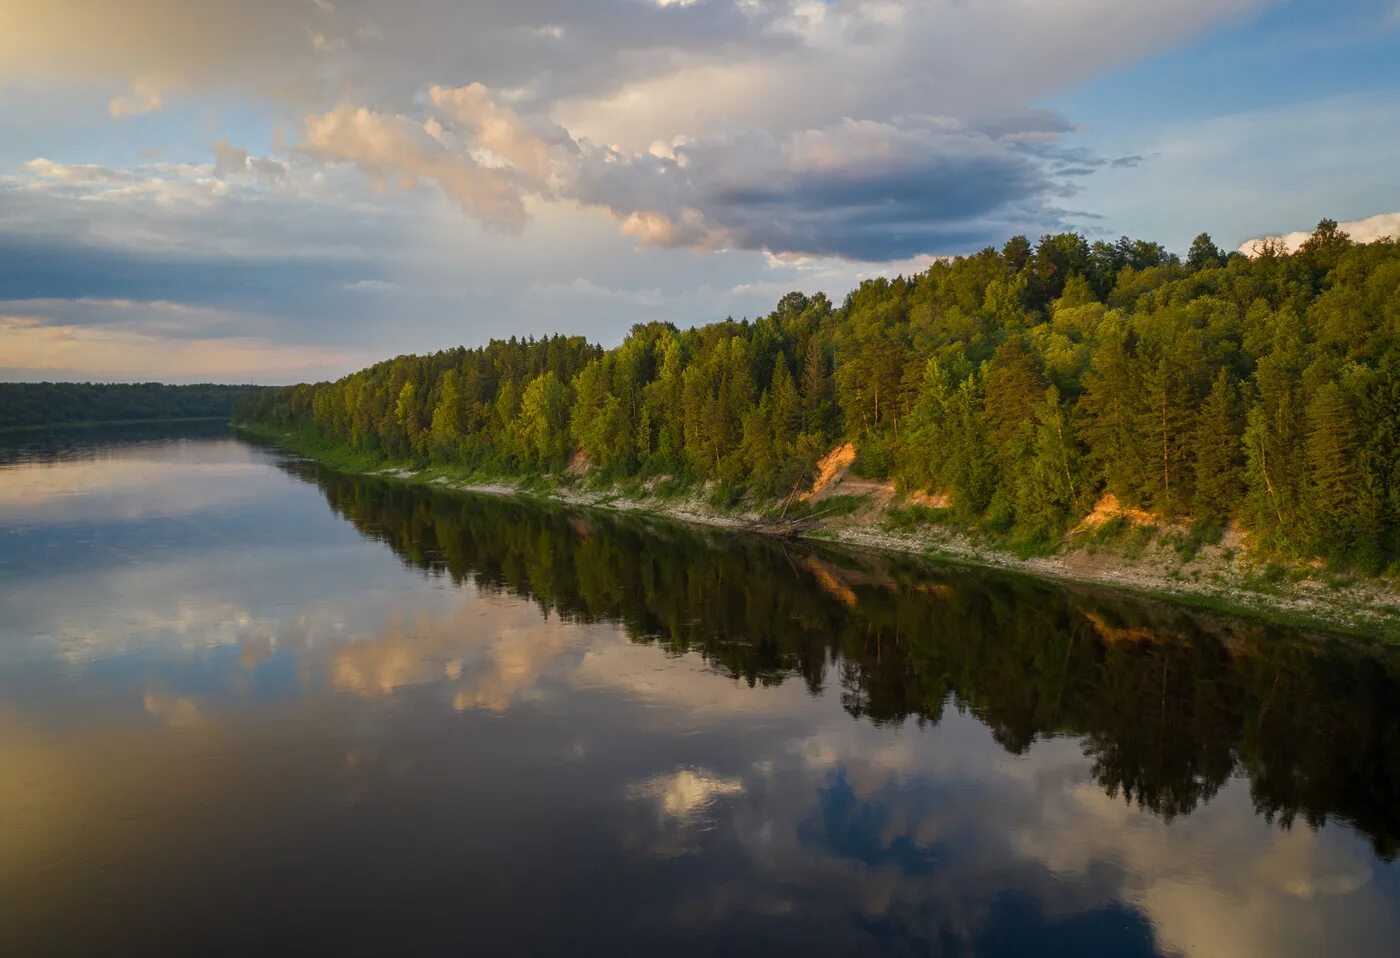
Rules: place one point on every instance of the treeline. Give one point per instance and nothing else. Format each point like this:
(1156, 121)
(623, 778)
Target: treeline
(1168, 703)
(25, 405)
(1025, 382)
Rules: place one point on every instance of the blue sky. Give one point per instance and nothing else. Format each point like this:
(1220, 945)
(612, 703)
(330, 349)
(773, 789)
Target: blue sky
(276, 191)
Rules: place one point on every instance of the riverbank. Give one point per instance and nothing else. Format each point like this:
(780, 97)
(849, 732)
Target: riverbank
(1121, 550)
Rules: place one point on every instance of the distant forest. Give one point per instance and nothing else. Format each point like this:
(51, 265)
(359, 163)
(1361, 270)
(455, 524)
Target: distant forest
(51, 404)
(1024, 383)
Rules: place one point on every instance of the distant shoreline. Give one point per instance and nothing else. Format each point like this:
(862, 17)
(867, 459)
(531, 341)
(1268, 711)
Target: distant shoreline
(102, 423)
(1367, 609)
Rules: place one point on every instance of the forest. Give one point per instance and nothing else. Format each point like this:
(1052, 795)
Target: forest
(25, 405)
(1023, 383)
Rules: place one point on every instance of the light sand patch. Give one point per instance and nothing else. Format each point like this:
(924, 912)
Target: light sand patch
(835, 478)
(1109, 508)
(930, 500)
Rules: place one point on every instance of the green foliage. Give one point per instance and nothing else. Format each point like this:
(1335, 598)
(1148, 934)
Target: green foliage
(910, 518)
(1201, 534)
(828, 508)
(1024, 383)
(1216, 449)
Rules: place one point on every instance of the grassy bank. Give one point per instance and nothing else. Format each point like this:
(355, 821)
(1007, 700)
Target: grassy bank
(1217, 576)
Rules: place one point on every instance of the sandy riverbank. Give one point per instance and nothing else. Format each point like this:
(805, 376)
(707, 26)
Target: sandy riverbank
(1218, 576)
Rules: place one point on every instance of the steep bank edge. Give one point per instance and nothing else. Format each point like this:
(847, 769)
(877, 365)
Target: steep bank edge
(1368, 611)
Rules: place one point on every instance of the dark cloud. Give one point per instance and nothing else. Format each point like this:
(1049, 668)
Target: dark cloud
(861, 190)
(934, 198)
(31, 270)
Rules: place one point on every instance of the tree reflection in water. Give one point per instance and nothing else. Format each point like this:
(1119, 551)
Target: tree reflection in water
(1168, 702)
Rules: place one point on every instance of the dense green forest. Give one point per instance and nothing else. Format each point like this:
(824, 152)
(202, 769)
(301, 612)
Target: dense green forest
(46, 404)
(1025, 382)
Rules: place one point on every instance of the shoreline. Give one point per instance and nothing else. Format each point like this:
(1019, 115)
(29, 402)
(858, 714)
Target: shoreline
(1365, 610)
(108, 423)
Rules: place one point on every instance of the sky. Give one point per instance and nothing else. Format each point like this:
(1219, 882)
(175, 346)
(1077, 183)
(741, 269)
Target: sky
(287, 190)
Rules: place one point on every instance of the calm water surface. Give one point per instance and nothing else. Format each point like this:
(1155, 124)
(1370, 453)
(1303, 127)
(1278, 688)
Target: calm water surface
(248, 706)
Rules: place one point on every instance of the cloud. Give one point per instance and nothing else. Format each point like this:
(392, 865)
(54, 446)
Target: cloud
(527, 145)
(925, 106)
(77, 173)
(144, 98)
(381, 49)
(581, 289)
(165, 184)
(231, 160)
(37, 348)
(1372, 228)
(153, 317)
(371, 286)
(859, 189)
(396, 148)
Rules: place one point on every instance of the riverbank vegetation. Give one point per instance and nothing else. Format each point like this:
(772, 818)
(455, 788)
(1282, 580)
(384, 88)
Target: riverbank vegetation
(34, 405)
(1022, 385)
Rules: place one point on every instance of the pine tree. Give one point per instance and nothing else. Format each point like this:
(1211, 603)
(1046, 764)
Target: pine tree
(1164, 422)
(1012, 385)
(1049, 483)
(1109, 418)
(1338, 501)
(786, 406)
(1204, 253)
(1273, 441)
(1217, 451)
(818, 407)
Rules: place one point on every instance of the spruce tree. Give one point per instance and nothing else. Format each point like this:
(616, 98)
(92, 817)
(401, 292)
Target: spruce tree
(1109, 418)
(1339, 503)
(1217, 451)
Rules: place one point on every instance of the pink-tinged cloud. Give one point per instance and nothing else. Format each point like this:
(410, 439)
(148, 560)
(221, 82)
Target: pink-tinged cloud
(32, 347)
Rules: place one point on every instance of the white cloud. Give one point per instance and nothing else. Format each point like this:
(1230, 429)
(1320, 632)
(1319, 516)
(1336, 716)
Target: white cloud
(77, 172)
(1372, 228)
(170, 185)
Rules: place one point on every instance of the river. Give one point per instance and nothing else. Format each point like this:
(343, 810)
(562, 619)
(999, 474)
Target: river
(251, 706)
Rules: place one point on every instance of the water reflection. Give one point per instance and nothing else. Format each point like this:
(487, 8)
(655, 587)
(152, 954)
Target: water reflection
(1169, 702)
(254, 727)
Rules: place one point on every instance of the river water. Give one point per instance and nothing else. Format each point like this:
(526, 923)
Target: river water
(250, 706)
